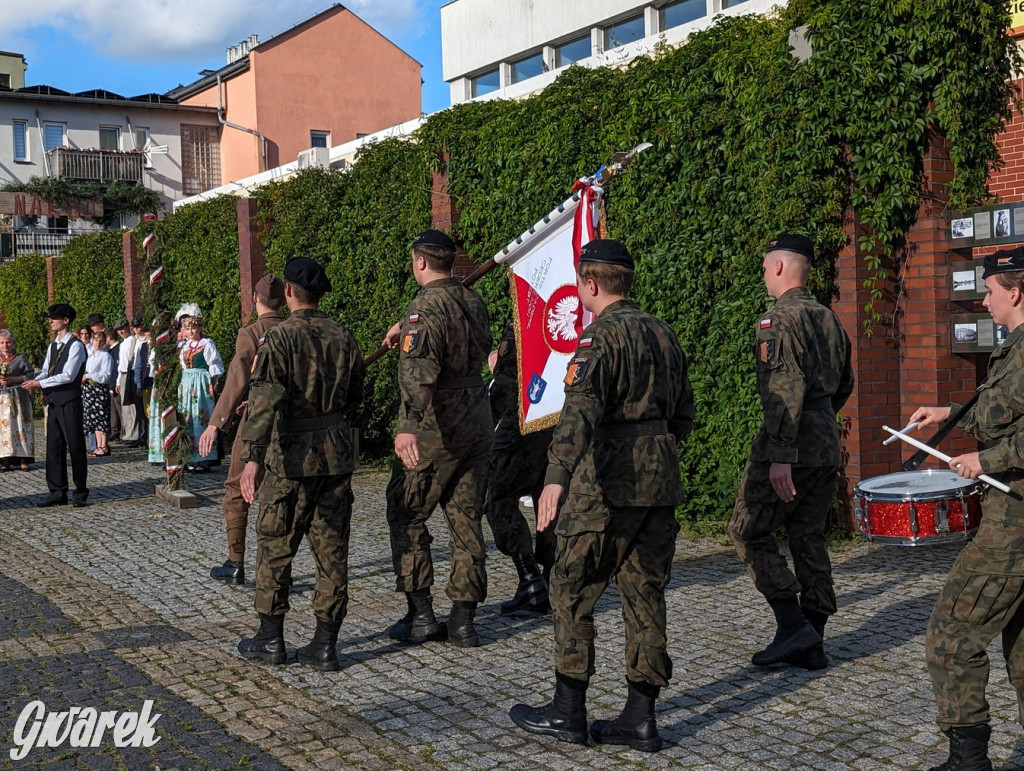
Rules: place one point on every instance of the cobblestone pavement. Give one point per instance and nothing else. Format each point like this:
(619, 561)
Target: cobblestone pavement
(111, 605)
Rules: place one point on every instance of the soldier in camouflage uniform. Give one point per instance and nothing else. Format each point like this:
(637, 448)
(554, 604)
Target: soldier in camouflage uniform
(442, 443)
(628, 404)
(517, 468)
(984, 593)
(804, 377)
(307, 379)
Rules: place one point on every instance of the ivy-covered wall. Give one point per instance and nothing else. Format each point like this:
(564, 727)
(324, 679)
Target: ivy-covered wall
(23, 305)
(748, 142)
(90, 276)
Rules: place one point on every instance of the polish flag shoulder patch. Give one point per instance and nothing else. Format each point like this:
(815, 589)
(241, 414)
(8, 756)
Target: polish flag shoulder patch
(414, 318)
(586, 342)
(766, 323)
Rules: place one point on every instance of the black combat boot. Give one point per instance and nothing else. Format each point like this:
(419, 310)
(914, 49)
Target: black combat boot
(968, 749)
(461, 631)
(419, 622)
(812, 658)
(565, 717)
(794, 634)
(230, 572)
(531, 596)
(635, 726)
(268, 643)
(321, 651)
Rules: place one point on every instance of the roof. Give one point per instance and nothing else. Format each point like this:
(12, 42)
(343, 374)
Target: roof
(242, 65)
(44, 93)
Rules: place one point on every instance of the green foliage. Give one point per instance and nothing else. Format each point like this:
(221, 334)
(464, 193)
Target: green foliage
(90, 276)
(23, 305)
(747, 142)
(118, 197)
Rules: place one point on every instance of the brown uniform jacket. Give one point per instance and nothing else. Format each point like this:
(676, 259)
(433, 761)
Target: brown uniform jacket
(236, 384)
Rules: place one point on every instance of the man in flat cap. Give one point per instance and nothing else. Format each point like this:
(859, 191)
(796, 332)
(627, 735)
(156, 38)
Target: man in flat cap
(61, 385)
(307, 381)
(442, 444)
(268, 298)
(804, 377)
(122, 330)
(984, 594)
(133, 415)
(613, 463)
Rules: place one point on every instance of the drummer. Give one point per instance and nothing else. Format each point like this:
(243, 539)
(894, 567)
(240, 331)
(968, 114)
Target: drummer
(985, 588)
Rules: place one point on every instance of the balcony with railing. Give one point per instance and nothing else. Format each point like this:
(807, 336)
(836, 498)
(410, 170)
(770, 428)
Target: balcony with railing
(96, 165)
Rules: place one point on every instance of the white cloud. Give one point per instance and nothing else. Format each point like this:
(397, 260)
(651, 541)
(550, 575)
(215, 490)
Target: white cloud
(155, 30)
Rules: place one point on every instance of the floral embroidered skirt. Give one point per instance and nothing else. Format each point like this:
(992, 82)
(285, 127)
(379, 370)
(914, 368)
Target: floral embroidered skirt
(17, 437)
(95, 408)
(196, 403)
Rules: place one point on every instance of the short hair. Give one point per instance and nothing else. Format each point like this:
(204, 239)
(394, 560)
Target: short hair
(273, 302)
(7, 333)
(304, 296)
(438, 258)
(1011, 279)
(613, 279)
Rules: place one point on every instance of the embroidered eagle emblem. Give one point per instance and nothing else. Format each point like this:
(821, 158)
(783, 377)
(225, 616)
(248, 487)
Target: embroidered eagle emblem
(562, 319)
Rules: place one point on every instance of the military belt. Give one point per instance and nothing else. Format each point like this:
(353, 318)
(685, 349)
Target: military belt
(638, 428)
(460, 382)
(299, 425)
(821, 403)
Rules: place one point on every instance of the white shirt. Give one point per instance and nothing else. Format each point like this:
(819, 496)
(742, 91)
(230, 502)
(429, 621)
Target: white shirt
(76, 358)
(214, 363)
(99, 366)
(126, 353)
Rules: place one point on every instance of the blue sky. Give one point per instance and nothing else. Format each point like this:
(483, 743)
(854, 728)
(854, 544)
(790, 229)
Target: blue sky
(76, 45)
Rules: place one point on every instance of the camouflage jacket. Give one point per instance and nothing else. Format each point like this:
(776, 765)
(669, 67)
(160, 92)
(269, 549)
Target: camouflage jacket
(306, 382)
(444, 344)
(997, 421)
(804, 377)
(628, 403)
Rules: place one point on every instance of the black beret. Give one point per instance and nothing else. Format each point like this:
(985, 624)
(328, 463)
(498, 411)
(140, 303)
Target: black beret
(61, 311)
(96, 318)
(434, 238)
(307, 274)
(1004, 261)
(789, 242)
(136, 321)
(608, 251)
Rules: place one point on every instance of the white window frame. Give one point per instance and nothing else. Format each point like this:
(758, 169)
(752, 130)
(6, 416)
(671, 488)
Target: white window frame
(23, 124)
(117, 137)
(146, 136)
(325, 135)
(63, 135)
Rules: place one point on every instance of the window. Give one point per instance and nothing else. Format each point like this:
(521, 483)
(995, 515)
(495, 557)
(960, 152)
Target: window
(200, 159)
(110, 138)
(320, 138)
(53, 136)
(573, 51)
(5, 80)
(142, 137)
(21, 140)
(679, 13)
(485, 83)
(732, 3)
(624, 32)
(530, 67)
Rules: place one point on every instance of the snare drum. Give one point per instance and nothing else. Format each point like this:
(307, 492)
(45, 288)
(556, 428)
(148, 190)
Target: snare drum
(917, 508)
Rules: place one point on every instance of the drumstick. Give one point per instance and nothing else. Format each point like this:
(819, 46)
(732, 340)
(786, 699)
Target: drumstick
(908, 427)
(943, 457)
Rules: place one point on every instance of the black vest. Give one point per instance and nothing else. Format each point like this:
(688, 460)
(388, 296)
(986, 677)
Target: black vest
(67, 392)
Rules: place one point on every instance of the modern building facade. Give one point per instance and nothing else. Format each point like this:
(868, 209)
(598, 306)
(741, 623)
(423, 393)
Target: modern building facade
(500, 49)
(326, 81)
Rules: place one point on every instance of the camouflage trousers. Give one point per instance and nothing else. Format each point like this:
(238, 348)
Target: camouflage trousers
(759, 513)
(972, 609)
(635, 547)
(458, 483)
(517, 468)
(319, 508)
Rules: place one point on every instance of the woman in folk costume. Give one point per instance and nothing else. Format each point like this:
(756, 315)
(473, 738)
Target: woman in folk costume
(201, 365)
(17, 441)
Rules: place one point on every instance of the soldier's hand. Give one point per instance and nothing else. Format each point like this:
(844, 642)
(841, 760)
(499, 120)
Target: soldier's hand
(781, 476)
(547, 505)
(967, 466)
(391, 338)
(206, 440)
(925, 416)
(407, 449)
(248, 481)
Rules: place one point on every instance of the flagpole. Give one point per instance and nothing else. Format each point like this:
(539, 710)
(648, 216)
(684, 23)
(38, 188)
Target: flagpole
(620, 162)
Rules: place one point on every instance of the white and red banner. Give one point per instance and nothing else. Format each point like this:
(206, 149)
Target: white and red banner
(549, 316)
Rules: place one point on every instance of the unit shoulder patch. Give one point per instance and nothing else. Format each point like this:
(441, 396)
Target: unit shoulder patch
(577, 371)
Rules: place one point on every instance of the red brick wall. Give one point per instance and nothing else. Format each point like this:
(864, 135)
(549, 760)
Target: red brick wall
(133, 269)
(1008, 182)
(252, 263)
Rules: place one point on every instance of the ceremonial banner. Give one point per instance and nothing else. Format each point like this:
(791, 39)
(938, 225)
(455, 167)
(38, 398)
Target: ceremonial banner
(549, 316)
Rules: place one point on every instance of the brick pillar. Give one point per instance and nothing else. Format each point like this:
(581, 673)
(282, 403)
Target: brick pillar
(51, 264)
(133, 270)
(252, 261)
(930, 374)
(444, 214)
